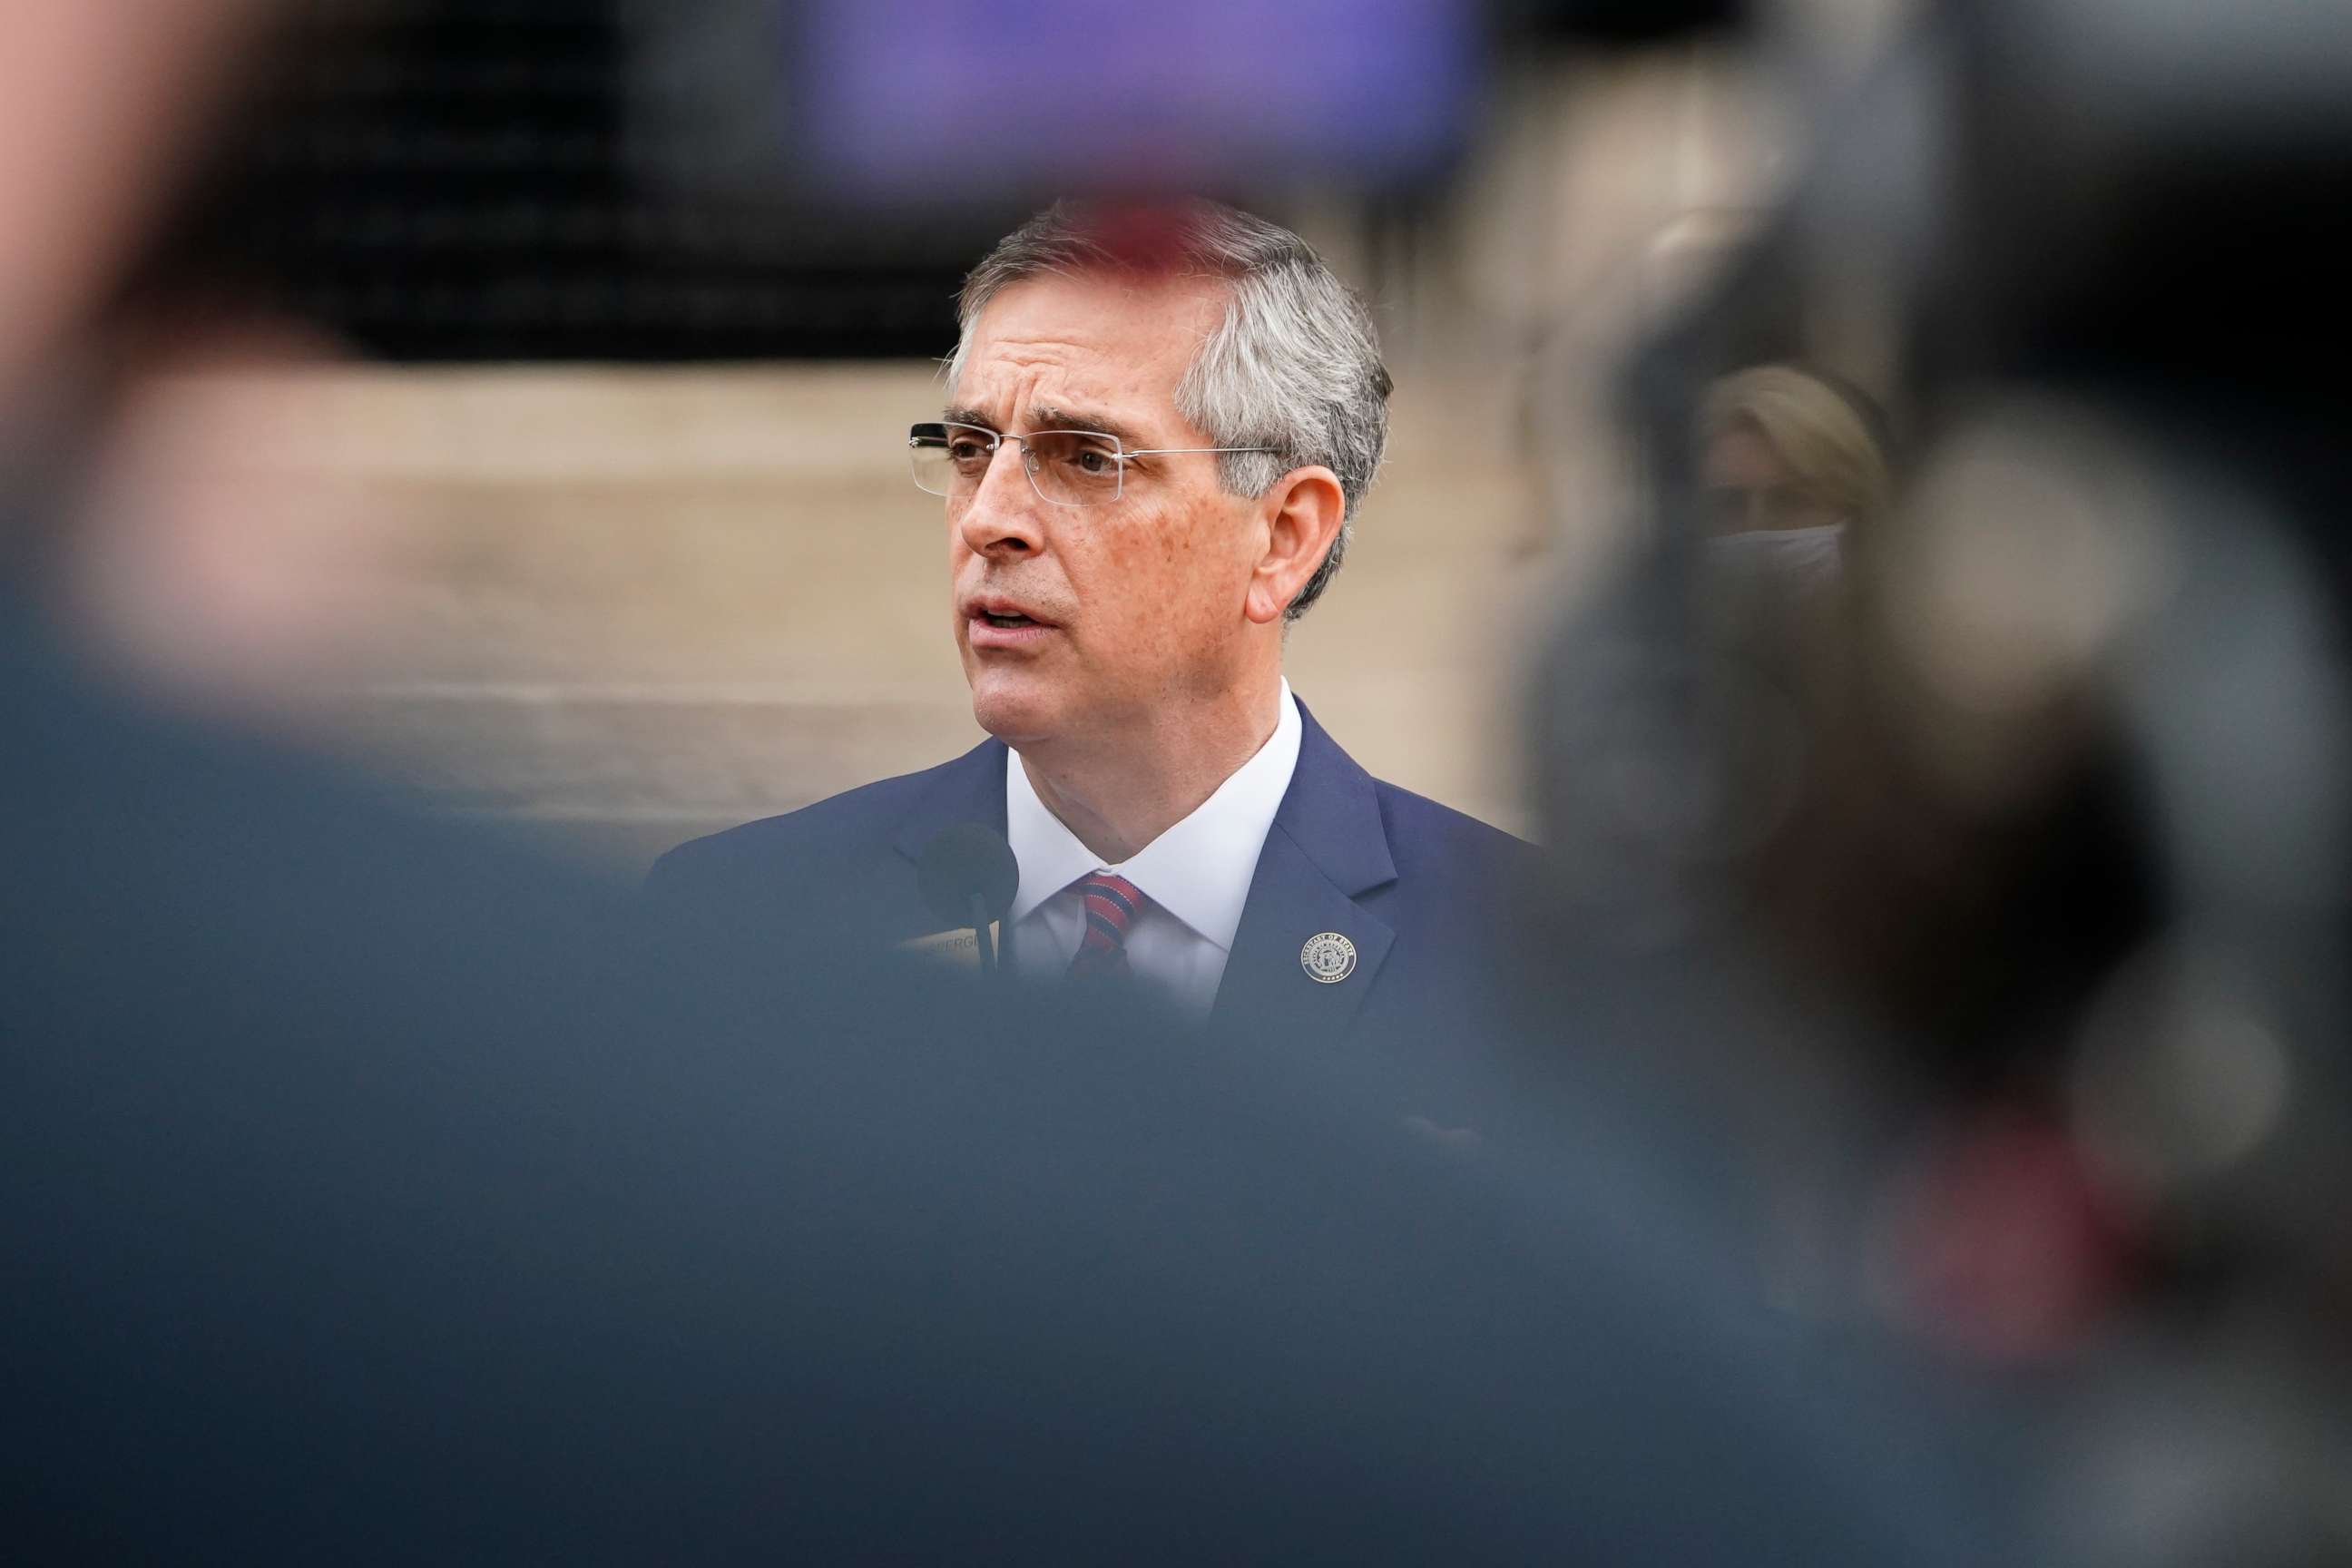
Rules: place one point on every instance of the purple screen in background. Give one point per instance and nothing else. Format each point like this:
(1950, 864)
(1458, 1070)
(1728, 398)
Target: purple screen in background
(924, 98)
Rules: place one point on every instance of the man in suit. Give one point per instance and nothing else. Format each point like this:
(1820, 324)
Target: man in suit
(1158, 428)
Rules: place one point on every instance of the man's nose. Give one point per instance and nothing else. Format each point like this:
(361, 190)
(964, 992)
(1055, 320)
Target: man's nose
(1001, 516)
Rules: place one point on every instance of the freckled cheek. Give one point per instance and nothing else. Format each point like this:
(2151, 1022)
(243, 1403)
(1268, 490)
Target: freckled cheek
(1178, 603)
(1113, 583)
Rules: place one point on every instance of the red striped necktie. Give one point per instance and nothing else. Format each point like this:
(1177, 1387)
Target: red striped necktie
(1112, 903)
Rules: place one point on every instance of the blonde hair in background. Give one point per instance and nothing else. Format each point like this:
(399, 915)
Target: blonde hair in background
(1818, 432)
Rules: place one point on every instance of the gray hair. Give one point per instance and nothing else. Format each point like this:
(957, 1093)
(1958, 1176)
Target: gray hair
(1294, 366)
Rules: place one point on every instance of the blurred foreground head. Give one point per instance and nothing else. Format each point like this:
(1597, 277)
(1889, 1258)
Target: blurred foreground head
(157, 497)
(99, 105)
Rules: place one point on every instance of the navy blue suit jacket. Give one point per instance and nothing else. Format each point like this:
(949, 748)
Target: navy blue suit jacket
(1421, 890)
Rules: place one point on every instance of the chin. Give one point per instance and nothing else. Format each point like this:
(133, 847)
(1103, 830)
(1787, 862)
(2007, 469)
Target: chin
(1017, 711)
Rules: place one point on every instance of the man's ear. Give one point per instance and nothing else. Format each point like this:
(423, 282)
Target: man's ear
(1303, 511)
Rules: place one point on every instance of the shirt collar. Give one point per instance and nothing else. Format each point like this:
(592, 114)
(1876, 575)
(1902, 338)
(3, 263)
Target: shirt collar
(1198, 870)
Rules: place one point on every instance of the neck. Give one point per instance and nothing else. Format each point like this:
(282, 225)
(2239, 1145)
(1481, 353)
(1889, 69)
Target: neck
(1119, 798)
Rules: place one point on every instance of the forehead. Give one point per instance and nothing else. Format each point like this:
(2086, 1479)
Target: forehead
(1101, 343)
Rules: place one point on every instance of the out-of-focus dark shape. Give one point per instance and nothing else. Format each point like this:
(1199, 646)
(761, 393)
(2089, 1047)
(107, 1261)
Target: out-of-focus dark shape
(359, 1203)
(1616, 21)
(968, 862)
(354, 1210)
(1996, 911)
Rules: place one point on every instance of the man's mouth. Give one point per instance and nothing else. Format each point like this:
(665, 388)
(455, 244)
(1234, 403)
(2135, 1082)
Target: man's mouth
(1006, 614)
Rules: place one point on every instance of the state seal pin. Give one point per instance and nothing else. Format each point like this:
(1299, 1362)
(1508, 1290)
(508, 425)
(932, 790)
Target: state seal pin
(1328, 958)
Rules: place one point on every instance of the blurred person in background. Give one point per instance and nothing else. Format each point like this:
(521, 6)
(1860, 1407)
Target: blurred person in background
(2010, 953)
(1792, 467)
(354, 1209)
(1161, 424)
(1867, 964)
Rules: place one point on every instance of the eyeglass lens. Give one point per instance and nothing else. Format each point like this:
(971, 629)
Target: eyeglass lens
(1071, 468)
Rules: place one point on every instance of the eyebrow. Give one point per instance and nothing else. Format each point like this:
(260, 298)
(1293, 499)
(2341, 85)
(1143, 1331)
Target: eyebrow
(1048, 417)
(1045, 417)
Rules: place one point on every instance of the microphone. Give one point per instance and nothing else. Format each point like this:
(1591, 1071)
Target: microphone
(969, 876)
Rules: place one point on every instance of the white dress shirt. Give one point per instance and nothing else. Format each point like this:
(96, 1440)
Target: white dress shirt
(1196, 876)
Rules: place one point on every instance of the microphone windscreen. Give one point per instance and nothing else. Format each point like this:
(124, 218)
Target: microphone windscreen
(968, 859)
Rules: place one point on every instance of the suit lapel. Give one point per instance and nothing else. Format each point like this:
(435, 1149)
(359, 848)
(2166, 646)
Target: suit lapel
(1327, 848)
